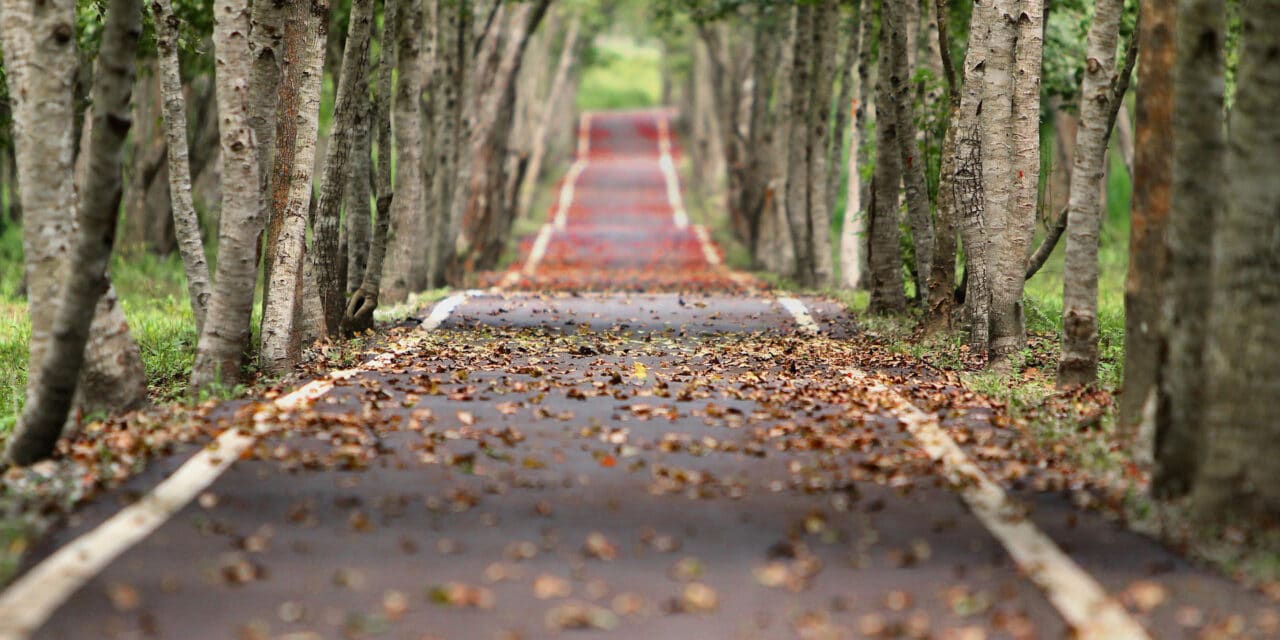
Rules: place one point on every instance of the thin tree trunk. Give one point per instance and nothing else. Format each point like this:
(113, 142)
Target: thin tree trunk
(226, 329)
(969, 181)
(350, 101)
(1199, 150)
(305, 39)
(450, 71)
(362, 303)
(1143, 340)
(845, 111)
(1078, 364)
(185, 220)
(797, 194)
(405, 252)
(46, 411)
(776, 248)
(942, 275)
(910, 161)
(267, 40)
(359, 215)
(886, 258)
(538, 152)
(818, 215)
(998, 163)
(1239, 479)
(854, 237)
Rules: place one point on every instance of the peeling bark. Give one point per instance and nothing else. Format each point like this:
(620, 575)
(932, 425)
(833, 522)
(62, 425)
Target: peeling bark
(887, 294)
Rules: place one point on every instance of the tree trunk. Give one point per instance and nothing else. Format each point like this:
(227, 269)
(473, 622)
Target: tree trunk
(305, 39)
(776, 250)
(1199, 150)
(362, 303)
(451, 75)
(47, 409)
(910, 163)
(818, 215)
(404, 246)
(969, 181)
(185, 220)
(886, 257)
(1078, 364)
(351, 100)
(226, 329)
(942, 276)
(359, 214)
(853, 236)
(798, 151)
(1239, 479)
(40, 63)
(1144, 344)
(1011, 153)
(538, 148)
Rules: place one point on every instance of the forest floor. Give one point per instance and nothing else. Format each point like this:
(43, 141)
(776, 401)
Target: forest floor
(624, 437)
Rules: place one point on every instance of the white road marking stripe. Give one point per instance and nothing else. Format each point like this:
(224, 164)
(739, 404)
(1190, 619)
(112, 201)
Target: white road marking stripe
(708, 249)
(561, 216)
(30, 600)
(584, 135)
(668, 166)
(1079, 599)
(801, 314)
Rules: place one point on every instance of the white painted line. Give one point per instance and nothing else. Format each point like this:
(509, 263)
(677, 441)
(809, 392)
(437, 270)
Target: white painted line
(561, 216)
(584, 135)
(29, 601)
(1079, 599)
(801, 314)
(708, 248)
(443, 309)
(668, 166)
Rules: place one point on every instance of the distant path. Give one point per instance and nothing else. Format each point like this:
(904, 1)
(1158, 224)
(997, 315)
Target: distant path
(628, 440)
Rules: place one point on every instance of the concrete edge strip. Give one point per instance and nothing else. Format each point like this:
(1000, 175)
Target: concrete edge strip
(33, 598)
(708, 248)
(1079, 599)
(801, 314)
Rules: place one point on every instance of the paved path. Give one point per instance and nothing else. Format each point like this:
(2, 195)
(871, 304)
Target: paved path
(674, 455)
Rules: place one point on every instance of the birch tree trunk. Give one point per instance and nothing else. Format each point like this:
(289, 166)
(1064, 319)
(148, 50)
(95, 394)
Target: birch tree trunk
(226, 329)
(186, 222)
(362, 303)
(404, 246)
(47, 409)
(351, 100)
(998, 165)
(40, 65)
(305, 40)
(1143, 340)
(886, 258)
(969, 181)
(1199, 151)
(451, 76)
(1078, 364)
(1239, 479)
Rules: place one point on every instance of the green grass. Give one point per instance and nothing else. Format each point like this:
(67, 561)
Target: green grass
(153, 296)
(623, 73)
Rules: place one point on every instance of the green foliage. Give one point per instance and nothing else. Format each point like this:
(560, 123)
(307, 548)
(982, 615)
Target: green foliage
(624, 73)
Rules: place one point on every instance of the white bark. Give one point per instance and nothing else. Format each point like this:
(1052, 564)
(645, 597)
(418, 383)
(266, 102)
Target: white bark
(305, 39)
(226, 330)
(185, 221)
